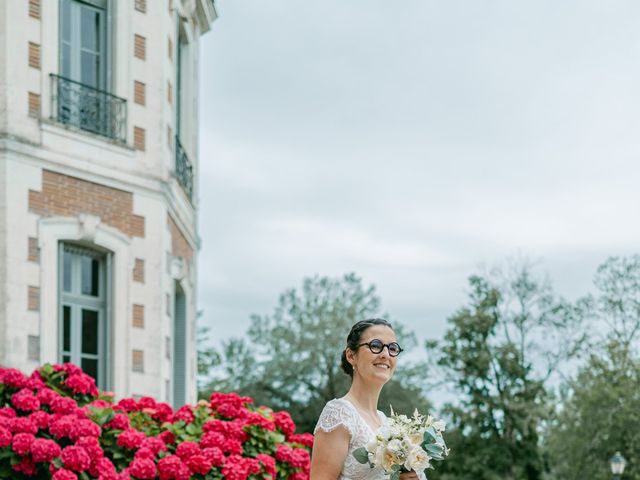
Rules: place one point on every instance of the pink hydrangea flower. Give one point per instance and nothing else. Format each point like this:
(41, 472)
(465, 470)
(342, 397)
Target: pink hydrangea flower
(44, 450)
(131, 439)
(82, 384)
(172, 468)
(22, 425)
(143, 468)
(75, 458)
(25, 400)
(199, 464)
(187, 449)
(5, 437)
(13, 377)
(64, 474)
(284, 422)
(21, 443)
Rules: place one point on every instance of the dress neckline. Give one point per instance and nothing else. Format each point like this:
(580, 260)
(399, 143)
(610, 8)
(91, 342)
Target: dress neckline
(373, 430)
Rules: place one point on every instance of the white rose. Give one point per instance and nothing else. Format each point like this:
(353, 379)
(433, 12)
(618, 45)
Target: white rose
(417, 460)
(415, 439)
(389, 459)
(395, 446)
(378, 456)
(372, 445)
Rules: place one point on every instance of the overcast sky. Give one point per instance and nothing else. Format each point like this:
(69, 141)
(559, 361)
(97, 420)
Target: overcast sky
(412, 142)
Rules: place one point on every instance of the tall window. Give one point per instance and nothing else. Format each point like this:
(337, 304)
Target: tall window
(179, 374)
(83, 310)
(184, 167)
(81, 89)
(181, 69)
(83, 41)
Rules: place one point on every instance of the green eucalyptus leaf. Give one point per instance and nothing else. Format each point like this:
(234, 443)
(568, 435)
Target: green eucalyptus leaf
(433, 449)
(361, 455)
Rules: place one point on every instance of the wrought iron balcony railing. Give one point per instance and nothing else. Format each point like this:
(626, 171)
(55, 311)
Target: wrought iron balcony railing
(184, 169)
(88, 108)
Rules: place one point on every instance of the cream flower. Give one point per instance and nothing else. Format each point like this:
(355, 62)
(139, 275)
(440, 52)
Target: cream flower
(417, 460)
(389, 459)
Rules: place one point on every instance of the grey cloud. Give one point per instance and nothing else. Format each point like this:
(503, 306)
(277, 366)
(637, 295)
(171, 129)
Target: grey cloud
(410, 142)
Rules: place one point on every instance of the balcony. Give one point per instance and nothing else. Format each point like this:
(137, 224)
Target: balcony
(88, 108)
(184, 170)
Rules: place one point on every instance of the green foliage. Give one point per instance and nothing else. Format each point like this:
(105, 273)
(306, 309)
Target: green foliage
(497, 354)
(600, 411)
(599, 416)
(291, 358)
(208, 358)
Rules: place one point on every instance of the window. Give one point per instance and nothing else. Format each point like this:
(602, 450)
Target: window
(179, 374)
(181, 86)
(83, 310)
(83, 41)
(184, 167)
(81, 90)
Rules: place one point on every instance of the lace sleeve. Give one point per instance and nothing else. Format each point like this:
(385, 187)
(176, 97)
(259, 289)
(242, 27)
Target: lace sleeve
(335, 414)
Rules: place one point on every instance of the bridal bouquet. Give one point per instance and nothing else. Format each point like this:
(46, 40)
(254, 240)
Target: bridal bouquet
(404, 444)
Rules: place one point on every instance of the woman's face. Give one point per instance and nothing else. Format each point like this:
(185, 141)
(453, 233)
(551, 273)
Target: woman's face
(374, 367)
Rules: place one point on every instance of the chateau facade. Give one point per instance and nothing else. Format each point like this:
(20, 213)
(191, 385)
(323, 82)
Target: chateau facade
(98, 189)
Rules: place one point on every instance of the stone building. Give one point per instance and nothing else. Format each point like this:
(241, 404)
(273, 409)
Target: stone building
(98, 190)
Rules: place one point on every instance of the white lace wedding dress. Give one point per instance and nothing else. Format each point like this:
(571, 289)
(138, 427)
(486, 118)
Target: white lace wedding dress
(341, 412)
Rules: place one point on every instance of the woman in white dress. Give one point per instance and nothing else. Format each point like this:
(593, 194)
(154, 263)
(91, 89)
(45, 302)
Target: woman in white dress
(350, 422)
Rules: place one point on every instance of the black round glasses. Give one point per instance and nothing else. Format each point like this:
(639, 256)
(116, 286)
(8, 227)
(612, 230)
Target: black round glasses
(376, 346)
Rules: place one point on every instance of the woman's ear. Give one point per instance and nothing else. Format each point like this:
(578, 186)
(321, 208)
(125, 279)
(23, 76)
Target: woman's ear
(350, 356)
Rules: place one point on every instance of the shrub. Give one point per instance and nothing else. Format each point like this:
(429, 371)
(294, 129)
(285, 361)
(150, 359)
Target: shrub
(55, 424)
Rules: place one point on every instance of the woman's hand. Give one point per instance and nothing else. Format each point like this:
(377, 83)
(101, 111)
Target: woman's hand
(412, 475)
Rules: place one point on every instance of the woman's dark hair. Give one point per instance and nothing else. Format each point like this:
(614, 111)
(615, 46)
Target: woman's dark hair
(355, 336)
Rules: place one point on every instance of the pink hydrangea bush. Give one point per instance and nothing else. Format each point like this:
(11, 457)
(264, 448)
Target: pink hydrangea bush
(55, 424)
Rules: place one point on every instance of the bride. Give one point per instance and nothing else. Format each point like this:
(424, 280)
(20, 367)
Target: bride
(350, 422)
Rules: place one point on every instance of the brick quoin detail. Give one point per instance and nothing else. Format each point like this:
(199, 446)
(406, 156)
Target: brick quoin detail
(139, 138)
(137, 361)
(139, 92)
(139, 47)
(179, 245)
(67, 196)
(33, 302)
(141, 6)
(34, 55)
(34, 105)
(33, 254)
(34, 9)
(138, 315)
(138, 271)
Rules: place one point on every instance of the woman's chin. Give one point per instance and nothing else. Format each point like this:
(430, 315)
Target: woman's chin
(382, 377)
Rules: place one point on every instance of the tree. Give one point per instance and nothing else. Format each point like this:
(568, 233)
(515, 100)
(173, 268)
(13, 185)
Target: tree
(291, 358)
(208, 358)
(600, 415)
(497, 354)
(600, 411)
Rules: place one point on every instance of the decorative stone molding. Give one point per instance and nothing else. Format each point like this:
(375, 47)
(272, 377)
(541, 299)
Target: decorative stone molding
(52, 231)
(88, 226)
